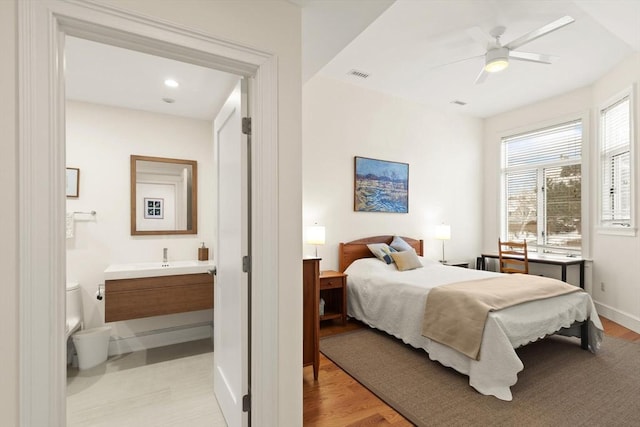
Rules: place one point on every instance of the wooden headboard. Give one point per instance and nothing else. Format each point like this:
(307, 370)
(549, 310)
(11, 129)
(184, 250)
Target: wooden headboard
(357, 249)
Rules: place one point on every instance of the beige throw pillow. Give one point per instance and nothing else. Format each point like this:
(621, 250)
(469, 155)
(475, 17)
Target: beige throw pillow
(406, 260)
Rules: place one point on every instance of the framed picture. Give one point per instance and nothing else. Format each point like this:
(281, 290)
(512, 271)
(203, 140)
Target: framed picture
(381, 186)
(73, 182)
(153, 208)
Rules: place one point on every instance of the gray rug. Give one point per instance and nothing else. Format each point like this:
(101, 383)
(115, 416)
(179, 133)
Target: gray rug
(561, 385)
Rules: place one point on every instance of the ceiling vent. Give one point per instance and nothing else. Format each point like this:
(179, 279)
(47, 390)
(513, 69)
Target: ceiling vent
(358, 73)
(457, 102)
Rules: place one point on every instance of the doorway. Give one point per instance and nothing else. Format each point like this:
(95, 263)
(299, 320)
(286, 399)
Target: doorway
(43, 26)
(118, 104)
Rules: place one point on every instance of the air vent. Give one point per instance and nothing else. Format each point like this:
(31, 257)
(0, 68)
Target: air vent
(457, 102)
(358, 73)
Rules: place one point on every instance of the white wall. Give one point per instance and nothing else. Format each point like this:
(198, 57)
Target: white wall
(9, 250)
(443, 151)
(272, 26)
(614, 258)
(566, 107)
(100, 140)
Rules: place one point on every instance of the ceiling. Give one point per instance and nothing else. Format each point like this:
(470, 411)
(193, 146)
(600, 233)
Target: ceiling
(401, 44)
(404, 48)
(109, 75)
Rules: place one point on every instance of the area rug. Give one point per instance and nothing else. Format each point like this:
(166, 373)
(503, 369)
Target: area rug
(561, 384)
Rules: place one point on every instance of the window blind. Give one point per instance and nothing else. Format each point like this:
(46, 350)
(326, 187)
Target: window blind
(557, 143)
(542, 187)
(616, 164)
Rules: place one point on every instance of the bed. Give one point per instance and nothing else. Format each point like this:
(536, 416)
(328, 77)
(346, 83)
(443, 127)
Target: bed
(394, 301)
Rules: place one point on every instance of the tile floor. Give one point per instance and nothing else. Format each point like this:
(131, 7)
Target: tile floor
(168, 386)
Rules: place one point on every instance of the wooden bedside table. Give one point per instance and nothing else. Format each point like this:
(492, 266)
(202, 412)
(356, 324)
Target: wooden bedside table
(333, 290)
(463, 264)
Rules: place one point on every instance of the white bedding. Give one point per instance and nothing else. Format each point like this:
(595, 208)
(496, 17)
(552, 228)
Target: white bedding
(394, 301)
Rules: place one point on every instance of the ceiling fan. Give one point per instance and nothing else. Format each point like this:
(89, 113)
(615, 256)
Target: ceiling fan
(497, 56)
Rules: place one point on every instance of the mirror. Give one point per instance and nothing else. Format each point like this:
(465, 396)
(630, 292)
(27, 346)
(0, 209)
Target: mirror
(163, 196)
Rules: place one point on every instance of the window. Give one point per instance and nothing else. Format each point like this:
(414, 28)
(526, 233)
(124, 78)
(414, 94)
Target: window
(615, 164)
(542, 188)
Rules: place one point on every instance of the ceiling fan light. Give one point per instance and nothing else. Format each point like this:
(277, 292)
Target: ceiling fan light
(496, 65)
(496, 60)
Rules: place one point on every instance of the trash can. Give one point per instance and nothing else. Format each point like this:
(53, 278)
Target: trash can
(92, 346)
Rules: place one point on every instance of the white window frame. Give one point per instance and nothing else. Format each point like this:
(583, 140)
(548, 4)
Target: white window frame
(605, 226)
(584, 117)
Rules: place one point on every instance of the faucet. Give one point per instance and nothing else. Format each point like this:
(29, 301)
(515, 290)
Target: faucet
(165, 261)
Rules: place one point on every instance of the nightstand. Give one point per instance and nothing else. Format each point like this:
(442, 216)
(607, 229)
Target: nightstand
(333, 290)
(463, 264)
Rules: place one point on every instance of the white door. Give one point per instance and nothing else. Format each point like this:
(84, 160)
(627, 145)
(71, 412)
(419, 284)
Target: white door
(231, 289)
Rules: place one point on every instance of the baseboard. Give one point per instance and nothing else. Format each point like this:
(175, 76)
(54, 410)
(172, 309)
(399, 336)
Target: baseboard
(625, 319)
(160, 338)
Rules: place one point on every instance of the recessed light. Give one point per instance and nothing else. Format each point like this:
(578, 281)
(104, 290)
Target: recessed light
(171, 83)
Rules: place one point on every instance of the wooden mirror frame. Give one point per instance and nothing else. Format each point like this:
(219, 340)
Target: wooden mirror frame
(192, 215)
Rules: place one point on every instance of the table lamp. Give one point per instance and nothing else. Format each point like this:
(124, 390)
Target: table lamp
(315, 236)
(443, 232)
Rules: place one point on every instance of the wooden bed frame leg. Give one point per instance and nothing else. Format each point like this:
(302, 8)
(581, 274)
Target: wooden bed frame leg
(584, 335)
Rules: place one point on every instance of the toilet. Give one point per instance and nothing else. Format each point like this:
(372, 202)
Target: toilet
(74, 309)
(91, 345)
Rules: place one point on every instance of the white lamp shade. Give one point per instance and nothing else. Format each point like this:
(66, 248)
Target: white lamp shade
(315, 235)
(443, 232)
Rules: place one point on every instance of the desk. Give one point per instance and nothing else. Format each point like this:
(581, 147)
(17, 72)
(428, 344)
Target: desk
(562, 261)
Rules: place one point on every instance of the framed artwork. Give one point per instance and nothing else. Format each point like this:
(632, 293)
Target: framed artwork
(73, 182)
(153, 208)
(381, 186)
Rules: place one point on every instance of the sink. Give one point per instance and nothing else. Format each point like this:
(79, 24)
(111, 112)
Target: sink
(154, 269)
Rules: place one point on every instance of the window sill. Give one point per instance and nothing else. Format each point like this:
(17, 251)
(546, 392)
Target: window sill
(617, 231)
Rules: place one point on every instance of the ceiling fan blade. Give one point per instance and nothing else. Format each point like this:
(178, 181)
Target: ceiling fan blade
(529, 37)
(532, 57)
(482, 76)
(455, 62)
(482, 38)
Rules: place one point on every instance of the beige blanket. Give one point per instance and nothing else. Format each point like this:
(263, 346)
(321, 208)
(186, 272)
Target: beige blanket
(455, 314)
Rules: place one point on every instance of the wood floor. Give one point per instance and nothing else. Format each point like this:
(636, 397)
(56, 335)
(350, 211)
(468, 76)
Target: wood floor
(337, 400)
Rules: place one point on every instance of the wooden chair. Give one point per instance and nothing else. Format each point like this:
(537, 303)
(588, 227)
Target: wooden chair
(513, 257)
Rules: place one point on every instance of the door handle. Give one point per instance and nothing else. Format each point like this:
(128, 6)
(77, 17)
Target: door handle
(213, 271)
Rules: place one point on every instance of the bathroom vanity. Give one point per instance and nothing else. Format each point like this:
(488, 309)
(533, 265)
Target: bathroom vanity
(134, 291)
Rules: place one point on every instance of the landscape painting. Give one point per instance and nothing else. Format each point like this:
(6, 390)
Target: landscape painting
(381, 186)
